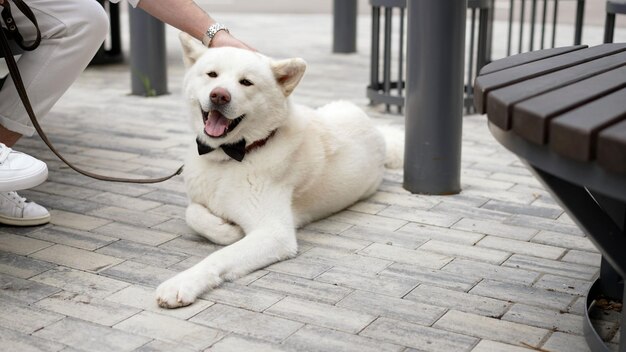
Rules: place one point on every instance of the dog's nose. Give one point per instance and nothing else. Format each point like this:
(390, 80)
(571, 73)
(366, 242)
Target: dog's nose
(220, 96)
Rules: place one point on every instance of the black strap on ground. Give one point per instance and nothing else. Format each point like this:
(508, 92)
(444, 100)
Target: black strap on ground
(19, 85)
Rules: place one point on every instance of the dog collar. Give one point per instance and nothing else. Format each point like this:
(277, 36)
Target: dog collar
(237, 150)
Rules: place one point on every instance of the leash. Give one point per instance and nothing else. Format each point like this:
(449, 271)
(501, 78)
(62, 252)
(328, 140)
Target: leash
(19, 85)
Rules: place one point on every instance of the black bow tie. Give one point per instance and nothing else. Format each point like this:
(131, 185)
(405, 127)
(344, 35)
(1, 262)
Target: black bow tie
(236, 150)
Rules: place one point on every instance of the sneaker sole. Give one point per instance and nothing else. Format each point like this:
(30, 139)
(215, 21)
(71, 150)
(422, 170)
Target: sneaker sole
(36, 178)
(7, 220)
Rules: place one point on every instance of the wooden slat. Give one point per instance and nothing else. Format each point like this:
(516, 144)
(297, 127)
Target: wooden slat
(531, 117)
(575, 133)
(500, 101)
(612, 148)
(486, 83)
(524, 58)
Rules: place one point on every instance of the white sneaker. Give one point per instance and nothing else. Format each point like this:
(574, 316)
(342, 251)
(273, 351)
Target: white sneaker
(16, 211)
(20, 171)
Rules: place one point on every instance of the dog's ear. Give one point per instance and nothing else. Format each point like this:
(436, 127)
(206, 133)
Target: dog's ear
(288, 73)
(192, 48)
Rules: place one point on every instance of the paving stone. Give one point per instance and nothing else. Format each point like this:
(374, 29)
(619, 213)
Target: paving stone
(394, 238)
(387, 285)
(14, 341)
(530, 210)
(132, 217)
(298, 287)
(491, 272)
(144, 298)
(560, 341)
(76, 258)
(27, 291)
(316, 339)
(22, 267)
(73, 238)
(420, 337)
(524, 294)
(463, 251)
(354, 218)
(160, 346)
(543, 224)
(172, 330)
(432, 276)
(65, 189)
(334, 257)
(420, 216)
(233, 343)
(496, 229)
(245, 322)
(138, 273)
(192, 244)
(69, 204)
(464, 211)
(247, 297)
(407, 256)
(321, 314)
(565, 241)
(493, 346)
(21, 244)
(87, 308)
(457, 300)
(544, 318)
(554, 267)
(425, 233)
(169, 210)
(332, 241)
(76, 221)
(174, 226)
(131, 190)
(367, 207)
(90, 337)
(328, 226)
(92, 285)
(123, 201)
(563, 284)
(25, 319)
(404, 200)
(582, 257)
(135, 234)
(522, 247)
(490, 328)
(392, 307)
(166, 197)
(142, 253)
(299, 268)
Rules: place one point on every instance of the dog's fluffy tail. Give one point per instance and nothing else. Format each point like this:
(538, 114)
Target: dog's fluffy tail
(394, 139)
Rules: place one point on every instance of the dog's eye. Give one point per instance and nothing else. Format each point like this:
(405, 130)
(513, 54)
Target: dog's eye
(212, 74)
(245, 82)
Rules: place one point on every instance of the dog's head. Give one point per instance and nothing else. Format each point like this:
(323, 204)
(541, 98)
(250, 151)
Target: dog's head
(236, 94)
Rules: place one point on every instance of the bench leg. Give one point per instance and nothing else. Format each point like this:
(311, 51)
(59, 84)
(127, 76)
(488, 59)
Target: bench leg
(609, 26)
(590, 216)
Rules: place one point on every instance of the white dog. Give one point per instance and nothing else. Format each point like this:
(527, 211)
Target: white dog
(264, 166)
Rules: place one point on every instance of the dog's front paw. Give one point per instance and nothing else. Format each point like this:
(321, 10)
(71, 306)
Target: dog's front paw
(179, 291)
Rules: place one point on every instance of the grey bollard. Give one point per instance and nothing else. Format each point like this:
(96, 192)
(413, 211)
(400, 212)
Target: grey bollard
(434, 96)
(148, 61)
(344, 26)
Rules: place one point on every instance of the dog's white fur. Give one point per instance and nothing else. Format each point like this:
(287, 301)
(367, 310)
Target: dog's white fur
(317, 163)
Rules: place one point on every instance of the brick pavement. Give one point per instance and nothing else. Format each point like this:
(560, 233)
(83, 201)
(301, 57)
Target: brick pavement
(498, 267)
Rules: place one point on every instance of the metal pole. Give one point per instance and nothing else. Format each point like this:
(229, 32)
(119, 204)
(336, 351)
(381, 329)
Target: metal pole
(344, 26)
(434, 96)
(148, 61)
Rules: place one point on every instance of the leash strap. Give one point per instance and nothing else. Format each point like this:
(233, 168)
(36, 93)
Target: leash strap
(19, 85)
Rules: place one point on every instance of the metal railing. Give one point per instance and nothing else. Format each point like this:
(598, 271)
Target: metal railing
(533, 21)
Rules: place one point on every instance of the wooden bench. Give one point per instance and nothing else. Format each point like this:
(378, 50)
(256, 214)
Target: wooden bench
(563, 112)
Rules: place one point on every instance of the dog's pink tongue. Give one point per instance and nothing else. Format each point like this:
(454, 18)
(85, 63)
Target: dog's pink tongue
(216, 124)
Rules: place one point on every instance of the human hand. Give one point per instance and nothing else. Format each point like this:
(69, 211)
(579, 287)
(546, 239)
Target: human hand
(223, 38)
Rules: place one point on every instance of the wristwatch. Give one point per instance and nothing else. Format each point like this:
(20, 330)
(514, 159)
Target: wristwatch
(211, 32)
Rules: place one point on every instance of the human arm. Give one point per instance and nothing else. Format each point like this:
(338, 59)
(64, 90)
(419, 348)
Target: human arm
(190, 18)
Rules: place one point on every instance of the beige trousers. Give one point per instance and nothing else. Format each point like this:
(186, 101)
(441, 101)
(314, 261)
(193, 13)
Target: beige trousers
(71, 33)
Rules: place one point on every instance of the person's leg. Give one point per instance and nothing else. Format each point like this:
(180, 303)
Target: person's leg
(72, 31)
